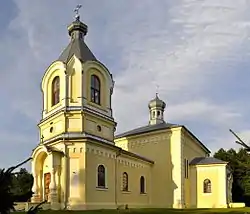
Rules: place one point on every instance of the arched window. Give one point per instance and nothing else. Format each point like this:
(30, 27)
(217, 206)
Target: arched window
(142, 184)
(55, 91)
(101, 176)
(153, 114)
(207, 186)
(125, 181)
(95, 89)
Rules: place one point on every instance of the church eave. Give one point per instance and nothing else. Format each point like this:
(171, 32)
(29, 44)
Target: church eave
(206, 161)
(147, 129)
(76, 108)
(121, 151)
(75, 136)
(158, 127)
(200, 143)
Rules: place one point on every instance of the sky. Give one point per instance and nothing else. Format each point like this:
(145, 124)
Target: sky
(196, 51)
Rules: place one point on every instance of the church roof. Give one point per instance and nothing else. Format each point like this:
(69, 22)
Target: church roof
(206, 160)
(157, 127)
(78, 48)
(145, 129)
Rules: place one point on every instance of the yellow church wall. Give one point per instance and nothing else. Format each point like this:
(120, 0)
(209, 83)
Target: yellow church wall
(113, 195)
(77, 174)
(92, 122)
(135, 169)
(163, 147)
(73, 177)
(52, 127)
(191, 150)
(177, 169)
(122, 143)
(74, 122)
(192, 190)
(74, 71)
(216, 173)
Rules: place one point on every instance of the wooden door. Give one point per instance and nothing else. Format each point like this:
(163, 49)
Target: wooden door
(47, 178)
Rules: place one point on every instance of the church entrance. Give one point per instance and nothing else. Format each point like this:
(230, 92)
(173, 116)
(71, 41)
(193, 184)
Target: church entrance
(47, 178)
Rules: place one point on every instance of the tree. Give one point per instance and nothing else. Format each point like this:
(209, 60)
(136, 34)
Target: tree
(22, 185)
(239, 163)
(7, 198)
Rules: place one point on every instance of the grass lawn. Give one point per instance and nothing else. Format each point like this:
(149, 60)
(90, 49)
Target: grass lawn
(152, 211)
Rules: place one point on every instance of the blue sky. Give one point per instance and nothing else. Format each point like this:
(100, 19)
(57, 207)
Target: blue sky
(197, 51)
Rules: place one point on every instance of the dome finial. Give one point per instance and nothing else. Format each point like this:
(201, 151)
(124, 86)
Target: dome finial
(77, 29)
(157, 90)
(76, 10)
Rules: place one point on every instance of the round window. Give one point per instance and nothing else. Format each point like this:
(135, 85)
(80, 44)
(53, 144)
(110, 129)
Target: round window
(51, 129)
(99, 128)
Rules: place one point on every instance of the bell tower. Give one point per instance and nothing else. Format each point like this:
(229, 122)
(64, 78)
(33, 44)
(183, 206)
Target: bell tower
(77, 115)
(77, 90)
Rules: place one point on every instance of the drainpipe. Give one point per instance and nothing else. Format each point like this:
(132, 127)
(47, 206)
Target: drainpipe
(118, 153)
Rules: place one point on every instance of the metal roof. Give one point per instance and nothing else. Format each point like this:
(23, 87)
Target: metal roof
(145, 129)
(206, 160)
(157, 127)
(78, 48)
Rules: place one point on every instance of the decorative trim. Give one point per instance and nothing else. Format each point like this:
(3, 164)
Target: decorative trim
(121, 160)
(77, 108)
(142, 142)
(77, 135)
(101, 141)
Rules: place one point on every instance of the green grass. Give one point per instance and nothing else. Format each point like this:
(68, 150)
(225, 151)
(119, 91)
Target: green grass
(150, 211)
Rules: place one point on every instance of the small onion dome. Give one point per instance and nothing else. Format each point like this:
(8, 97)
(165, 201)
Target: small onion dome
(157, 102)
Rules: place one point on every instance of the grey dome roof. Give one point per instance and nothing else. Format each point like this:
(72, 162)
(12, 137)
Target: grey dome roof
(78, 48)
(77, 45)
(157, 102)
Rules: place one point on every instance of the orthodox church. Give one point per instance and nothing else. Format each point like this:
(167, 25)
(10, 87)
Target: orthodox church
(80, 164)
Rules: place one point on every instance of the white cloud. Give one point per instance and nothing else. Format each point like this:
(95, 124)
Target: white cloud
(209, 32)
(207, 111)
(181, 45)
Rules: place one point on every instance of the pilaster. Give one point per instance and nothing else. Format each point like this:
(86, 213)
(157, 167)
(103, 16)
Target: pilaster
(177, 155)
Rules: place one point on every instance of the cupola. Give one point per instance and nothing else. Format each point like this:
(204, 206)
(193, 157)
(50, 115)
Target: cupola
(156, 110)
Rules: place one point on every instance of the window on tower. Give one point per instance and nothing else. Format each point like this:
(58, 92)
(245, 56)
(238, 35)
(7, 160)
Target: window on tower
(55, 90)
(153, 114)
(95, 89)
